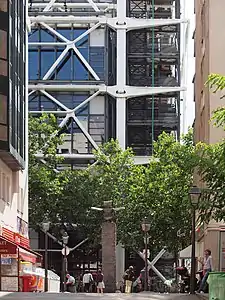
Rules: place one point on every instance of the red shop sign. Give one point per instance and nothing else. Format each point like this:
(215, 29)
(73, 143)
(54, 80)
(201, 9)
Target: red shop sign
(7, 247)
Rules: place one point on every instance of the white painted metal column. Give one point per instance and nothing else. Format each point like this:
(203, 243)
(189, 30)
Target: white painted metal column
(121, 74)
(121, 110)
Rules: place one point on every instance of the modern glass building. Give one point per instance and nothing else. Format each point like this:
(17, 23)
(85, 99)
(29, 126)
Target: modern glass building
(107, 70)
(12, 83)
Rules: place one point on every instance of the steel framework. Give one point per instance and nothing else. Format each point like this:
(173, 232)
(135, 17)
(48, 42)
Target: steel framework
(115, 91)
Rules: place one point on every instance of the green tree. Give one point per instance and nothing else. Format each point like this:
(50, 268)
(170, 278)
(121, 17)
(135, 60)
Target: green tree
(212, 164)
(216, 84)
(45, 184)
(161, 194)
(158, 191)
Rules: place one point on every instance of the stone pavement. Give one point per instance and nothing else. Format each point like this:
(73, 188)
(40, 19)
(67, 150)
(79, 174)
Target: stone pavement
(83, 296)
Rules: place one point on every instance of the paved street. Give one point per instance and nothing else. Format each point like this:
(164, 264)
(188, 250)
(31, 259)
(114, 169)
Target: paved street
(82, 296)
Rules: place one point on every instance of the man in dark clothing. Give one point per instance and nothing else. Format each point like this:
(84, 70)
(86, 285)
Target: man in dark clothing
(129, 278)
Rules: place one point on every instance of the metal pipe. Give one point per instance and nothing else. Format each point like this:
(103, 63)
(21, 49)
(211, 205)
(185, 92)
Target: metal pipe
(67, 19)
(46, 261)
(71, 156)
(146, 261)
(65, 267)
(67, 87)
(72, 5)
(63, 274)
(62, 13)
(193, 261)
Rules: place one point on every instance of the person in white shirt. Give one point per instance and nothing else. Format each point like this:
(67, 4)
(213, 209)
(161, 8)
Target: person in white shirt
(87, 280)
(207, 267)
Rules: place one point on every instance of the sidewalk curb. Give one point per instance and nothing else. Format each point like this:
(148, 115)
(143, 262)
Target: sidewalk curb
(203, 296)
(2, 294)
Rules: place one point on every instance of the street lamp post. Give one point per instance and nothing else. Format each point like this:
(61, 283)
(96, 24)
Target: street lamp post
(45, 226)
(65, 239)
(145, 228)
(194, 194)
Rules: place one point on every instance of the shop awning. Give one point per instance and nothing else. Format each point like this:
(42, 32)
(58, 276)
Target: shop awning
(186, 252)
(27, 256)
(8, 247)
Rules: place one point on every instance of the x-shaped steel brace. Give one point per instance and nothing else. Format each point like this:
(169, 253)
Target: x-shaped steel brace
(151, 264)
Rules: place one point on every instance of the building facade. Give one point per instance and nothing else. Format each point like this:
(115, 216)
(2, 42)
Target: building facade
(209, 52)
(107, 69)
(14, 240)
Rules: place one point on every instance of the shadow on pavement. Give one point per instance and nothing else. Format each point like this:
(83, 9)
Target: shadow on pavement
(82, 296)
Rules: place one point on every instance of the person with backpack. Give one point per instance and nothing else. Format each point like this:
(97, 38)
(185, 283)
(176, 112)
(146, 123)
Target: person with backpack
(100, 282)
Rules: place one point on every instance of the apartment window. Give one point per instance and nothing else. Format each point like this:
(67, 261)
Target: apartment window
(8, 196)
(20, 202)
(203, 21)
(3, 187)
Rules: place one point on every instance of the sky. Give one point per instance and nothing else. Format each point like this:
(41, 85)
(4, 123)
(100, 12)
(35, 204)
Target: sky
(187, 106)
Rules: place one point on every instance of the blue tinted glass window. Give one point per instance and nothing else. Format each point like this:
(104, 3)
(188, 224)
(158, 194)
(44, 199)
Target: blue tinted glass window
(33, 65)
(33, 36)
(84, 41)
(47, 60)
(80, 71)
(47, 104)
(66, 32)
(78, 32)
(33, 103)
(46, 36)
(64, 69)
(66, 99)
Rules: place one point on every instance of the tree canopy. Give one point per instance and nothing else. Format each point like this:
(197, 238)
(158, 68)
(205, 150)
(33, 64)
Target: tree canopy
(45, 184)
(212, 164)
(157, 191)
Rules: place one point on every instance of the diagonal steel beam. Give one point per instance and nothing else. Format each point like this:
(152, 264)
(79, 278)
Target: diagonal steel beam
(94, 5)
(56, 63)
(85, 63)
(53, 99)
(49, 5)
(86, 134)
(86, 101)
(54, 32)
(87, 32)
(152, 267)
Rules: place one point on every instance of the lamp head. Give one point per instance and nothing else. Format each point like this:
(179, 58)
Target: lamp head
(46, 225)
(145, 225)
(65, 238)
(195, 194)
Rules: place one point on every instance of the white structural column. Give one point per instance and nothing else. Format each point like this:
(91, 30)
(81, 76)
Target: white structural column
(121, 74)
(121, 110)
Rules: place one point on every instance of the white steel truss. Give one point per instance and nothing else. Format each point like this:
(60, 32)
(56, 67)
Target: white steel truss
(151, 264)
(47, 6)
(122, 24)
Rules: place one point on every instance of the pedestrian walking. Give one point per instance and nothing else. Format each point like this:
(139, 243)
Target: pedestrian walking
(100, 282)
(87, 281)
(129, 278)
(207, 267)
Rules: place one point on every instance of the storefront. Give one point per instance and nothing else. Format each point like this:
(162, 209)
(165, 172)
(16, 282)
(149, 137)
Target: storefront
(14, 260)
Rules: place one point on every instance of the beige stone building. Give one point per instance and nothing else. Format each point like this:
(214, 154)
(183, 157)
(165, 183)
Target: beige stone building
(209, 53)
